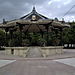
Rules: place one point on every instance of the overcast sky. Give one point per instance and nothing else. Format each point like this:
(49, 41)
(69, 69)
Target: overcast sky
(14, 9)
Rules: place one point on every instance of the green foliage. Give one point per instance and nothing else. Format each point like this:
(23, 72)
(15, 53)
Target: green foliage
(35, 37)
(54, 37)
(15, 41)
(69, 34)
(2, 37)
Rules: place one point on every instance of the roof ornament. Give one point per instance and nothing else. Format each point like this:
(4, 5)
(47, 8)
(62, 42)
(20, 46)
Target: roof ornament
(34, 10)
(4, 22)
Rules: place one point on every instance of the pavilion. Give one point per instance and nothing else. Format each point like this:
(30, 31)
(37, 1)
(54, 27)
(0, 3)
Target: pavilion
(33, 22)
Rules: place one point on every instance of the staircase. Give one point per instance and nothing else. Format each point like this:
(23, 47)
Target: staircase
(34, 52)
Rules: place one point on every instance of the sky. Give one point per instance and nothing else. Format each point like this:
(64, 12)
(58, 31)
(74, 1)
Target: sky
(14, 9)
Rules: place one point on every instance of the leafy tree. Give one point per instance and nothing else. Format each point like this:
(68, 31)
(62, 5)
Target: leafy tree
(69, 34)
(2, 38)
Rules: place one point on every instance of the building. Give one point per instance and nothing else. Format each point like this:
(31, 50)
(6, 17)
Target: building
(35, 23)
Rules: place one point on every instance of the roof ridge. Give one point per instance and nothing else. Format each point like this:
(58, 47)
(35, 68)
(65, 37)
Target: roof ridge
(33, 12)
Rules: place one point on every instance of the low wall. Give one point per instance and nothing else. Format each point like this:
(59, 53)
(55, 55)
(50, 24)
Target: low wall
(51, 50)
(23, 51)
(19, 51)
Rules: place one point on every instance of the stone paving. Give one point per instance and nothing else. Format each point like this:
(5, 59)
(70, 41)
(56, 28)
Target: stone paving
(68, 61)
(37, 67)
(52, 65)
(5, 62)
(34, 52)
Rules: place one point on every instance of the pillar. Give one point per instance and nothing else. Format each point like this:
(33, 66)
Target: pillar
(6, 30)
(47, 28)
(20, 28)
(61, 36)
(11, 37)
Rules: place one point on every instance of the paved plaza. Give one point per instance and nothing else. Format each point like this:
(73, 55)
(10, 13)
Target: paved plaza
(5, 62)
(63, 64)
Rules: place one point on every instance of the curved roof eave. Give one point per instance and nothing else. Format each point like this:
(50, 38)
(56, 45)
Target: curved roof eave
(34, 13)
(55, 23)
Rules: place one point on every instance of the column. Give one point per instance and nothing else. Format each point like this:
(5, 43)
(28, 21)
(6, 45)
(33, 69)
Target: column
(6, 30)
(61, 36)
(11, 37)
(47, 28)
(20, 27)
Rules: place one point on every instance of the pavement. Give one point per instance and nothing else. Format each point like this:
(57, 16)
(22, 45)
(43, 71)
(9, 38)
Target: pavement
(37, 67)
(62, 64)
(67, 61)
(5, 62)
(34, 52)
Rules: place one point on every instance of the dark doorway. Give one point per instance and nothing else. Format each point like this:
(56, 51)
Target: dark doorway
(12, 51)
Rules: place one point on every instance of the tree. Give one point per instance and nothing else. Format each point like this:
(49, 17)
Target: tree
(69, 34)
(2, 38)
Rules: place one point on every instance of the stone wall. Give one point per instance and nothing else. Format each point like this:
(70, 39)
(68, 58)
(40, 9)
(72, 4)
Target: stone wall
(23, 51)
(51, 50)
(19, 51)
